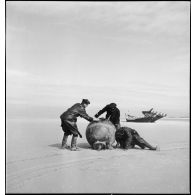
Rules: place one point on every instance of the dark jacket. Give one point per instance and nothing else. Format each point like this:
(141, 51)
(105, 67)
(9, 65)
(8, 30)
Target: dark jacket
(75, 111)
(113, 113)
(124, 137)
(128, 138)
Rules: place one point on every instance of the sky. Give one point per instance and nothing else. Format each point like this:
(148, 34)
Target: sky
(136, 54)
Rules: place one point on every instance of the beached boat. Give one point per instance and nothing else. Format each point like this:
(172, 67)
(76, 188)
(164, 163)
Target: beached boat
(149, 117)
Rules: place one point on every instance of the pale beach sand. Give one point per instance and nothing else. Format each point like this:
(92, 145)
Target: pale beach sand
(36, 164)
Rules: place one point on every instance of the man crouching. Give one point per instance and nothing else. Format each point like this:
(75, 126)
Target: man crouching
(127, 138)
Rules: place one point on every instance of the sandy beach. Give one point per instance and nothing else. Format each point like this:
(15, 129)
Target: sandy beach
(135, 54)
(36, 164)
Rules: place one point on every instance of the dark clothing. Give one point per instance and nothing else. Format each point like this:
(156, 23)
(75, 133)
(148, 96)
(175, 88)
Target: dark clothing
(113, 113)
(124, 137)
(128, 138)
(75, 111)
(69, 119)
(85, 101)
(69, 128)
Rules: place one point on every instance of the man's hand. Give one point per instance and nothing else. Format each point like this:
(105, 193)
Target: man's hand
(96, 116)
(95, 119)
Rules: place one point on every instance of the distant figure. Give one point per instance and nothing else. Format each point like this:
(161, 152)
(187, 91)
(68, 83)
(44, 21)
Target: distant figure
(68, 122)
(113, 114)
(127, 138)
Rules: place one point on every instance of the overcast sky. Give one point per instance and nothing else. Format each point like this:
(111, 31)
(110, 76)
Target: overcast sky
(136, 54)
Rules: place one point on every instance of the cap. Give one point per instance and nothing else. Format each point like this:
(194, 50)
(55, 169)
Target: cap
(113, 105)
(85, 101)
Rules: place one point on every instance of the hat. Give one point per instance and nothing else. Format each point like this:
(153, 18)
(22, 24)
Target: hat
(113, 105)
(85, 101)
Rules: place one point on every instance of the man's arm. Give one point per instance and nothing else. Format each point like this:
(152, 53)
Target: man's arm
(101, 112)
(83, 114)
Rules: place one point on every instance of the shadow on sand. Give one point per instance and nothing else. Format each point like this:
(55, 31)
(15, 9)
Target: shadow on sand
(79, 145)
(84, 145)
(55, 145)
(87, 146)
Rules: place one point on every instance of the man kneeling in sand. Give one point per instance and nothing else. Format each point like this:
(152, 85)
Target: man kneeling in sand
(127, 138)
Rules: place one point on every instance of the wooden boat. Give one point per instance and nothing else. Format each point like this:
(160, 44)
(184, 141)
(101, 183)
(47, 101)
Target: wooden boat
(149, 117)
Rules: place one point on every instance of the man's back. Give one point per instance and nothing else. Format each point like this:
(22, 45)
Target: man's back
(71, 113)
(113, 113)
(75, 111)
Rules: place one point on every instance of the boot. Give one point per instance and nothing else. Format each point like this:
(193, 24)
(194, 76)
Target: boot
(157, 148)
(73, 143)
(64, 142)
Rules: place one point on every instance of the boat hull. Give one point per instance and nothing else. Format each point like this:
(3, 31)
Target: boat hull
(143, 120)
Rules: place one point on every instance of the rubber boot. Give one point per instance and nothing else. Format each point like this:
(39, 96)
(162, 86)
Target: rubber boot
(73, 143)
(64, 142)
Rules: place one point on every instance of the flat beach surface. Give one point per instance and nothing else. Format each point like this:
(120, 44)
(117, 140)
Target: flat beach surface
(36, 164)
